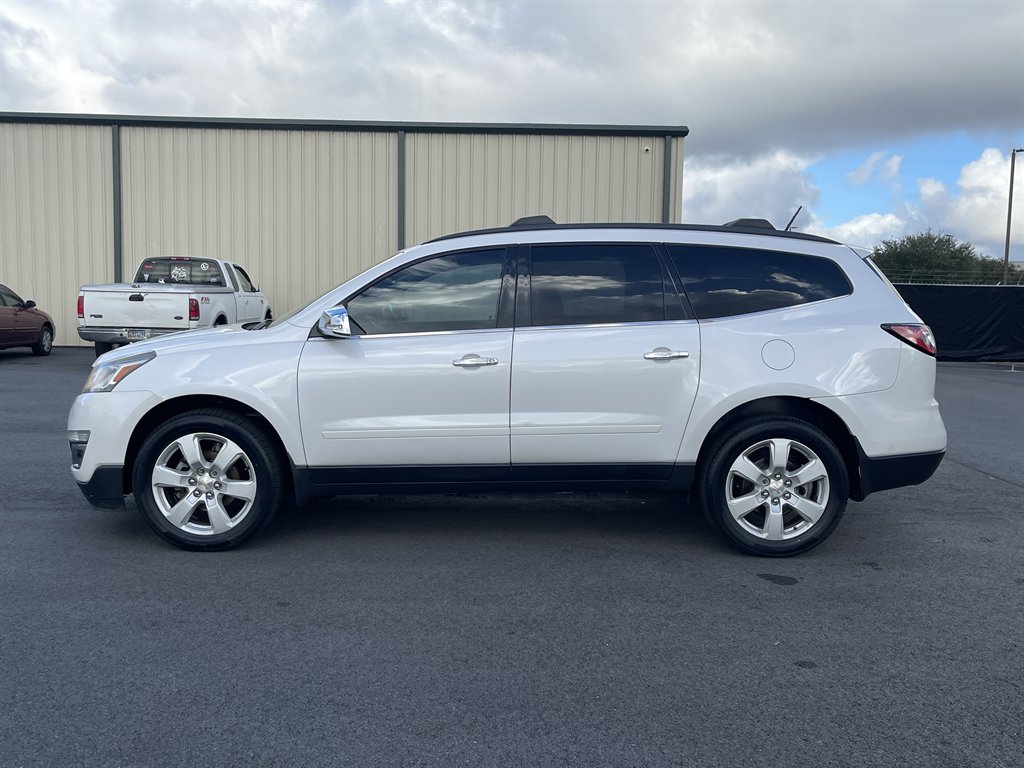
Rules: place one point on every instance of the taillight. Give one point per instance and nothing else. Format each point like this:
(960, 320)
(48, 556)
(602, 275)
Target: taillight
(81, 305)
(193, 309)
(919, 336)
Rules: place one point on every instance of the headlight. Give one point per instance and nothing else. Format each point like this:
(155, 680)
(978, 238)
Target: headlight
(108, 375)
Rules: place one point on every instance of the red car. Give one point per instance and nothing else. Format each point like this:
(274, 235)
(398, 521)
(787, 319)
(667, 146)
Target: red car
(22, 325)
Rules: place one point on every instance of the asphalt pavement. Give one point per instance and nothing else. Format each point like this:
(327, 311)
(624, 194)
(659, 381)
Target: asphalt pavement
(517, 630)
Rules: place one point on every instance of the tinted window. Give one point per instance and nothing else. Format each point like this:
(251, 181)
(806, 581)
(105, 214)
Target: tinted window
(736, 281)
(187, 271)
(247, 285)
(8, 298)
(454, 292)
(577, 284)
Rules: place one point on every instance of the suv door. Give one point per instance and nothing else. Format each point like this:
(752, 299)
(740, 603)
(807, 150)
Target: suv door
(424, 379)
(605, 365)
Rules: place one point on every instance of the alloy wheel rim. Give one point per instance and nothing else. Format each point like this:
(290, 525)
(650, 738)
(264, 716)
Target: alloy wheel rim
(203, 483)
(777, 489)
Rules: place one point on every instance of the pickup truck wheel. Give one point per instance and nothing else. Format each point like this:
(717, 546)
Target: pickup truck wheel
(776, 487)
(102, 347)
(45, 343)
(208, 479)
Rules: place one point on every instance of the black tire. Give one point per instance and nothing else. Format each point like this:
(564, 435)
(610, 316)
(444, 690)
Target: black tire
(102, 347)
(45, 343)
(773, 526)
(259, 460)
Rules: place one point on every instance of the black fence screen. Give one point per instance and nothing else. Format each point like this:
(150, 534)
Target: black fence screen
(971, 322)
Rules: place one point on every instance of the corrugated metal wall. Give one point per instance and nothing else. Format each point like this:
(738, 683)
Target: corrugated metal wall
(301, 210)
(466, 181)
(56, 215)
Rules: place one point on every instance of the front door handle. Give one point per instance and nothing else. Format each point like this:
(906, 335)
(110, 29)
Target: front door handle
(474, 361)
(664, 353)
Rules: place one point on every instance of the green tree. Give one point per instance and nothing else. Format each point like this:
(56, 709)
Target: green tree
(928, 257)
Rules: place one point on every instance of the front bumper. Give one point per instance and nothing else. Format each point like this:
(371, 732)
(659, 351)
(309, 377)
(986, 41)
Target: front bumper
(881, 473)
(105, 490)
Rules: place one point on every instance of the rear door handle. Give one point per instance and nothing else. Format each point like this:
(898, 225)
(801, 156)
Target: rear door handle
(474, 361)
(664, 353)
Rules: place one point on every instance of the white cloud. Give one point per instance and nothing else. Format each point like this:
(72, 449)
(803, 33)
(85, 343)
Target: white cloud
(770, 186)
(747, 77)
(870, 229)
(891, 167)
(975, 211)
(862, 172)
(876, 164)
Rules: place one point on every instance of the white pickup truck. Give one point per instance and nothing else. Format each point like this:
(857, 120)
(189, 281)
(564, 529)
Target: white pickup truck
(169, 294)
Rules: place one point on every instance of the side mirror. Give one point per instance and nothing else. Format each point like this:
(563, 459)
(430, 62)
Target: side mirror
(334, 323)
(30, 304)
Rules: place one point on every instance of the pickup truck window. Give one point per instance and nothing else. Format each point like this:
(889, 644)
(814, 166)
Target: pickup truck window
(180, 271)
(244, 278)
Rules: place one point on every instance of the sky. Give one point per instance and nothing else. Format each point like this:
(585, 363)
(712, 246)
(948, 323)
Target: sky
(880, 118)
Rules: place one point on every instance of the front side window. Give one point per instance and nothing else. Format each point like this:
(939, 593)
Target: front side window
(8, 298)
(721, 281)
(247, 285)
(454, 292)
(182, 271)
(586, 284)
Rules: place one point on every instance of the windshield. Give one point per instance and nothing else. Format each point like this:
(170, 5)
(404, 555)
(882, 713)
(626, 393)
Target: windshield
(180, 270)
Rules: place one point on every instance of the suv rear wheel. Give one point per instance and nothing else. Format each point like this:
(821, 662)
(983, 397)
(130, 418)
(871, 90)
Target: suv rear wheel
(208, 479)
(776, 486)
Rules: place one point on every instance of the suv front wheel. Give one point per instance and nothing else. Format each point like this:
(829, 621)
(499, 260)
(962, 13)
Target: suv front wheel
(208, 479)
(775, 486)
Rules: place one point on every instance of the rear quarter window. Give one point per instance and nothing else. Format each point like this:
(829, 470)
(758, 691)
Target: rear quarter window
(722, 281)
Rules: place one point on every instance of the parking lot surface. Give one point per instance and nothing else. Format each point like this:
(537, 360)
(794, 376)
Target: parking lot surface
(569, 629)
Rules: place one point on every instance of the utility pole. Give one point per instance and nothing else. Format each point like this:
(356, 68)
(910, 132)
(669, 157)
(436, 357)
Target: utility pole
(1009, 211)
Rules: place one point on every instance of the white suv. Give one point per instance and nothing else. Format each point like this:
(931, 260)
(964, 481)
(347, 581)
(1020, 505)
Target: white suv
(774, 374)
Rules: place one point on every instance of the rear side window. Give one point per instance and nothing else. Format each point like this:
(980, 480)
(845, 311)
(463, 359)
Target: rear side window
(737, 281)
(186, 271)
(586, 284)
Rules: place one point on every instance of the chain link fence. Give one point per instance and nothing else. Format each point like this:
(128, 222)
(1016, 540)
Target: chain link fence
(953, 277)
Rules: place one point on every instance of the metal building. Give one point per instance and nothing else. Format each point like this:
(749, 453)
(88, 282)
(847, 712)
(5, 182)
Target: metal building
(302, 204)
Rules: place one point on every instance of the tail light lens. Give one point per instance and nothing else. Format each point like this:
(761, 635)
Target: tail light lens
(81, 305)
(193, 309)
(916, 335)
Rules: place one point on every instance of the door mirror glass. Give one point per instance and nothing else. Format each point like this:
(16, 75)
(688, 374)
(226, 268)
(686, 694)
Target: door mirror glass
(334, 323)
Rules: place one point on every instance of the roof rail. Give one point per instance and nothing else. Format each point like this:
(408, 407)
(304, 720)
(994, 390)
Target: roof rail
(532, 221)
(750, 224)
(737, 226)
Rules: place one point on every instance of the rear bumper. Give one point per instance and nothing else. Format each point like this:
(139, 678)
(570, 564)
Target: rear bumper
(881, 473)
(105, 490)
(119, 335)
